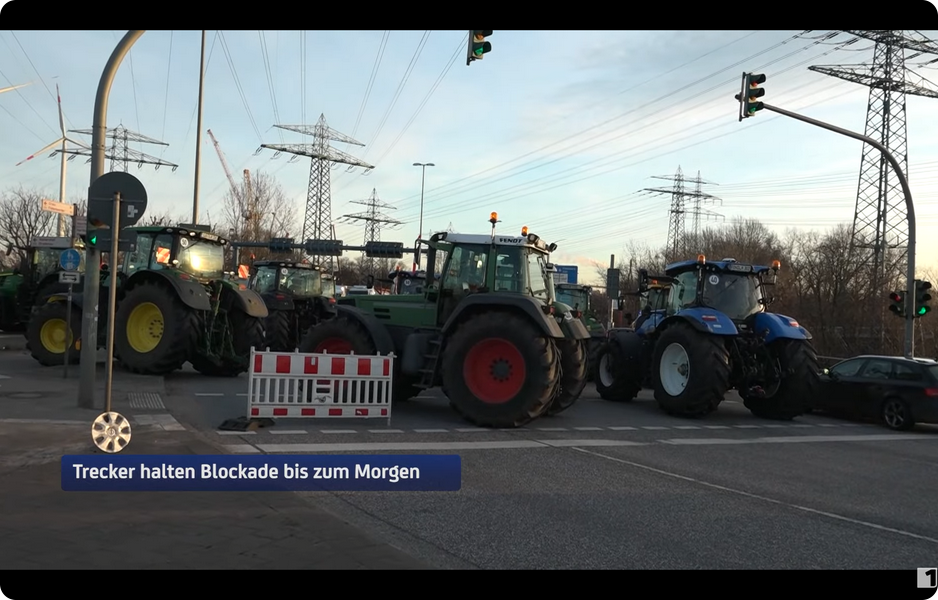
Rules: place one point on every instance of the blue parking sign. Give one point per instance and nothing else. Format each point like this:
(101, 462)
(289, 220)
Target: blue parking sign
(70, 260)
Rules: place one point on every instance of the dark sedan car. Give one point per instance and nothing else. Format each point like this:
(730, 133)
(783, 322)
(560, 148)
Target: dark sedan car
(899, 392)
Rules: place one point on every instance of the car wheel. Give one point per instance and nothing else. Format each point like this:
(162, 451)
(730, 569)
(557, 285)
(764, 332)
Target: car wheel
(896, 415)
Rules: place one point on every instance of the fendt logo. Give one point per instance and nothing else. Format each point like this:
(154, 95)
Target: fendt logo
(508, 240)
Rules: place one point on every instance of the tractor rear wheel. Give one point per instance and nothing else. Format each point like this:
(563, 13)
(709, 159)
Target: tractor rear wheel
(154, 331)
(614, 381)
(499, 371)
(278, 329)
(691, 371)
(572, 375)
(246, 333)
(593, 346)
(796, 388)
(48, 337)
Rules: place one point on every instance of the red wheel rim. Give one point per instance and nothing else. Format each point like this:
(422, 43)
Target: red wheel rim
(494, 371)
(334, 345)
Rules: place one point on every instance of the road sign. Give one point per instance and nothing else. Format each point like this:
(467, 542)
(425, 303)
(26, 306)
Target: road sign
(81, 225)
(70, 277)
(58, 207)
(565, 273)
(101, 200)
(70, 260)
(125, 243)
(51, 242)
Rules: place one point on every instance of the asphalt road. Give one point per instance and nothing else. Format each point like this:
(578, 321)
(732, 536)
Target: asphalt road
(609, 485)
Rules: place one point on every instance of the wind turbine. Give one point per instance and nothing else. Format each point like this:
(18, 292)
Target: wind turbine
(65, 157)
(13, 87)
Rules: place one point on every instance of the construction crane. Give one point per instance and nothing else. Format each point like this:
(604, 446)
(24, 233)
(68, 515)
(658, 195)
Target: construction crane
(224, 165)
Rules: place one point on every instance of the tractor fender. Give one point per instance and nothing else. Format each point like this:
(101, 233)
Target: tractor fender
(190, 292)
(274, 303)
(325, 306)
(705, 320)
(250, 302)
(529, 306)
(77, 299)
(630, 344)
(379, 335)
(572, 328)
(774, 326)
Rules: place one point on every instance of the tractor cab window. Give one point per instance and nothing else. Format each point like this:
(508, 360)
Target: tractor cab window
(139, 259)
(162, 251)
(303, 282)
(683, 292)
(508, 270)
(201, 258)
(265, 280)
(736, 296)
(540, 280)
(328, 287)
(574, 298)
(466, 269)
(45, 260)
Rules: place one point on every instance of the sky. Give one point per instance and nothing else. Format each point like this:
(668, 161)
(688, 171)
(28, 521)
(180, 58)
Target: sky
(559, 137)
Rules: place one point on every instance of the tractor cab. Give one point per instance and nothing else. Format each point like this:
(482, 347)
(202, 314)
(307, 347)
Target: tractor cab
(735, 289)
(195, 253)
(574, 295)
(407, 282)
(298, 279)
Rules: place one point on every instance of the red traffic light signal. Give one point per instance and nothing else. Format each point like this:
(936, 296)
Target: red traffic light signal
(895, 297)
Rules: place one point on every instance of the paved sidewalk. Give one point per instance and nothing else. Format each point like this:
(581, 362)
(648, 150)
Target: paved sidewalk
(42, 527)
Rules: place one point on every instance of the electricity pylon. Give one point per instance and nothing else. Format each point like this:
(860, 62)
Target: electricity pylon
(374, 222)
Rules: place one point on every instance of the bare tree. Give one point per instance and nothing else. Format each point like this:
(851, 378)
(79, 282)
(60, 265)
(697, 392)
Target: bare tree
(271, 214)
(22, 219)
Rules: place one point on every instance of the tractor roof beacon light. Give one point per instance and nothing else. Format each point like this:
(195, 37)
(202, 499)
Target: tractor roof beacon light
(776, 265)
(478, 46)
(524, 230)
(701, 259)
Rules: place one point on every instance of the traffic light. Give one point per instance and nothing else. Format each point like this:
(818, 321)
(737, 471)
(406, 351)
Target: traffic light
(922, 298)
(281, 245)
(91, 238)
(898, 304)
(384, 249)
(323, 247)
(749, 95)
(478, 45)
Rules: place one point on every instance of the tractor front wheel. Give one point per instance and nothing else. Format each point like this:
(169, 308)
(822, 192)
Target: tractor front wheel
(789, 396)
(48, 337)
(154, 331)
(691, 371)
(572, 375)
(277, 331)
(499, 371)
(613, 378)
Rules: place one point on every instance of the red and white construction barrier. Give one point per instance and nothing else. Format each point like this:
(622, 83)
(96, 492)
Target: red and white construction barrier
(296, 385)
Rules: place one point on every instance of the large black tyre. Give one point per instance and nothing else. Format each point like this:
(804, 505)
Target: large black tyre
(155, 332)
(593, 346)
(46, 335)
(247, 332)
(613, 375)
(573, 372)
(798, 386)
(499, 371)
(344, 336)
(278, 332)
(703, 363)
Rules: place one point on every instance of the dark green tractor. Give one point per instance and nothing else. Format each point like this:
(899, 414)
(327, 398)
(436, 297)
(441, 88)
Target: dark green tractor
(173, 305)
(489, 332)
(579, 298)
(298, 295)
(30, 284)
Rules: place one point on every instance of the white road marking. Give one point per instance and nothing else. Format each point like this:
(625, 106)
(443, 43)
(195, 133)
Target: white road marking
(774, 426)
(8, 377)
(214, 394)
(288, 431)
(800, 425)
(798, 439)
(745, 494)
(687, 427)
(385, 431)
(551, 428)
(653, 427)
(588, 428)
(338, 431)
(470, 429)
(444, 446)
(715, 427)
(242, 449)
(747, 426)
(622, 428)
(219, 432)
(431, 430)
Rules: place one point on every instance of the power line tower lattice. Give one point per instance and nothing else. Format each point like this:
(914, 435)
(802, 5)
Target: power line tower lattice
(374, 222)
(119, 151)
(317, 222)
(880, 228)
(677, 226)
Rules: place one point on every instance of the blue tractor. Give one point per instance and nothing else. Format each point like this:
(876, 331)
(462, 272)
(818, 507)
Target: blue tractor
(714, 335)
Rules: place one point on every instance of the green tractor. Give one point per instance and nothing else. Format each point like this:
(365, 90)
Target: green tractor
(297, 294)
(173, 305)
(29, 284)
(490, 332)
(579, 298)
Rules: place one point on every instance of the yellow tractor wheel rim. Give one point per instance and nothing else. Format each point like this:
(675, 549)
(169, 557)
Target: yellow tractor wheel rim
(145, 327)
(54, 336)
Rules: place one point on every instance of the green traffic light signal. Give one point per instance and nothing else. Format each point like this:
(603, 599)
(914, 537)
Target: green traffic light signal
(923, 310)
(93, 239)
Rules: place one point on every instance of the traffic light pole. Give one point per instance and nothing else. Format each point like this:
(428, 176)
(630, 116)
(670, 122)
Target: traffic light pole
(910, 211)
(89, 321)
